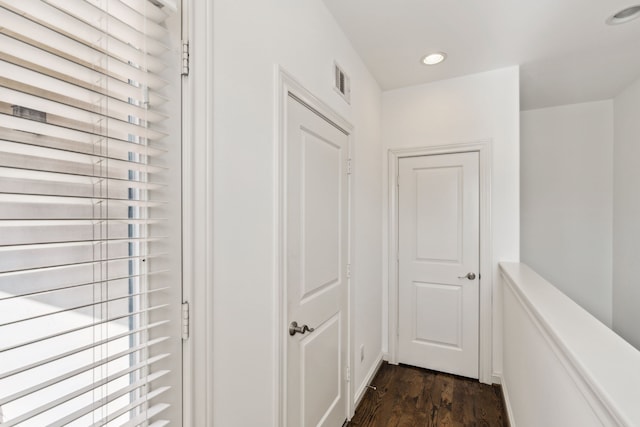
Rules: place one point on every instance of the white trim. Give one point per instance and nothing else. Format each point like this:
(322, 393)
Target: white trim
(197, 249)
(351, 298)
(486, 259)
(367, 381)
(285, 85)
(188, 368)
(507, 402)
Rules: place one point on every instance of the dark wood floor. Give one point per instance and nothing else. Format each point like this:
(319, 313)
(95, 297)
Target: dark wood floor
(409, 397)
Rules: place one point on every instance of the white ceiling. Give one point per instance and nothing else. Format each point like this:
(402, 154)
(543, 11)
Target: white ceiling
(566, 51)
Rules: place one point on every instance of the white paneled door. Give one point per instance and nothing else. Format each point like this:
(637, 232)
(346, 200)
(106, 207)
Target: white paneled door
(438, 222)
(316, 227)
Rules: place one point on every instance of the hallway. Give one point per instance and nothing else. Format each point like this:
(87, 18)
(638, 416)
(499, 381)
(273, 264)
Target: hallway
(408, 397)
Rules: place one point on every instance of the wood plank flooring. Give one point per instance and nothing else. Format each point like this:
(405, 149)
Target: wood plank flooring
(410, 397)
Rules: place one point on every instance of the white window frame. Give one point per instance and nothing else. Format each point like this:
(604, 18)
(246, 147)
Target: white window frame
(198, 268)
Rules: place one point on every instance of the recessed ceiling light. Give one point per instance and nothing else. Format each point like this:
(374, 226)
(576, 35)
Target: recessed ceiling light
(625, 15)
(434, 58)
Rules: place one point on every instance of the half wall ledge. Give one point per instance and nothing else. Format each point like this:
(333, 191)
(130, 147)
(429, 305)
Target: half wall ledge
(562, 366)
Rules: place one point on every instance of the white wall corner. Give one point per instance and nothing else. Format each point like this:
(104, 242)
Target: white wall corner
(362, 388)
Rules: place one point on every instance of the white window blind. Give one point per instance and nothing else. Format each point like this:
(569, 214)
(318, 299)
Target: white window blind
(89, 135)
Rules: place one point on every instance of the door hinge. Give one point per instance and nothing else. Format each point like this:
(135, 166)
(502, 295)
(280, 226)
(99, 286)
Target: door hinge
(349, 166)
(348, 374)
(185, 321)
(185, 57)
(348, 271)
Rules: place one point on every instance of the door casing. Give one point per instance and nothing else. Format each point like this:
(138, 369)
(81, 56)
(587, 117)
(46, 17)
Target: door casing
(486, 260)
(287, 85)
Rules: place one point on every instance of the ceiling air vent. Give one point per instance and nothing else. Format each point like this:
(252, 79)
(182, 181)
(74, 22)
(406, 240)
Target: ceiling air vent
(342, 83)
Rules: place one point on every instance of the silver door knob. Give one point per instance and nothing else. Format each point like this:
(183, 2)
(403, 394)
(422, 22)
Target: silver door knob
(295, 329)
(470, 276)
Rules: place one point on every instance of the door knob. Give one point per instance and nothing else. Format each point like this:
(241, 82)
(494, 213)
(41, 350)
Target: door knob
(470, 276)
(295, 329)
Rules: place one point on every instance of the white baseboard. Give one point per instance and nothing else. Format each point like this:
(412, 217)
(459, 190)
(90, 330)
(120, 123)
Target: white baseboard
(507, 402)
(496, 378)
(367, 380)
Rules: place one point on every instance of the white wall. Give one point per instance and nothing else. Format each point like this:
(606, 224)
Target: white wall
(626, 215)
(251, 38)
(566, 161)
(482, 106)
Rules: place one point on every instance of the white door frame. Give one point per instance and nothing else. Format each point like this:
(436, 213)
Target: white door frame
(486, 271)
(287, 85)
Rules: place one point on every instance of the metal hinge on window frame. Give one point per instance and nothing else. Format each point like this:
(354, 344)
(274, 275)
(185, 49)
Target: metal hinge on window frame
(185, 321)
(185, 57)
(349, 166)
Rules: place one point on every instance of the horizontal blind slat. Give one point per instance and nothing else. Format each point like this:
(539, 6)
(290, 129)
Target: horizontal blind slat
(116, 149)
(135, 35)
(70, 353)
(98, 165)
(91, 124)
(97, 404)
(52, 88)
(25, 56)
(68, 331)
(22, 393)
(134, 19)
(26, 224)
(100, 260)
(79, 307)
(146, 8)
(73, 114)
(101, 402)
(148, 414)
(71, 200)
(50, 289)
(11, 248)
(90, 237)
(151, 412)
(63, 53)
(170, 4)
(76, 36)
(43, 205)
(29, 181)
(48, 130)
